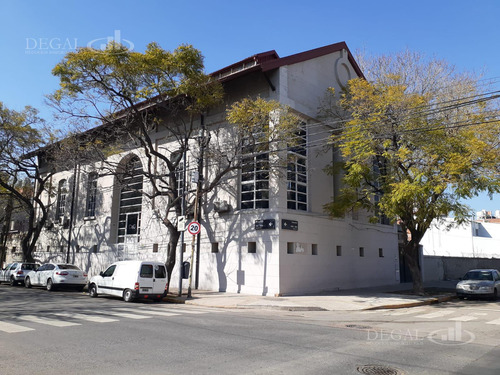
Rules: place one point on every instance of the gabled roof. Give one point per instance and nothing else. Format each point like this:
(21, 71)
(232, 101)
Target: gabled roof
(270, 60)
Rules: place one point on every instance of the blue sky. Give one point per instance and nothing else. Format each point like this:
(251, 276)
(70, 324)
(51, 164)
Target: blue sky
(35, 35)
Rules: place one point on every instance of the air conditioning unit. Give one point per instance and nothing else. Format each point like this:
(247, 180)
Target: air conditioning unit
(222, 207)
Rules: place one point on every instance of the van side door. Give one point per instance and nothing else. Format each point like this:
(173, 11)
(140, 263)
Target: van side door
(106, 281)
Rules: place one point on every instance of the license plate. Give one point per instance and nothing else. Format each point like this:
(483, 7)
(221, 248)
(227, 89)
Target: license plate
(75, 275)
(145, 289)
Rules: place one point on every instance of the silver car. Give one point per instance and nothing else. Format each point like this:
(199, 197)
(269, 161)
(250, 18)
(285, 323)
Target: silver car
(54, 275)
(14, 273)
(479, 283)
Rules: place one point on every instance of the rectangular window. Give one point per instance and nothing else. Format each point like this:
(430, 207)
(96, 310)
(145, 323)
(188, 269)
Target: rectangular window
(146, 271)
(48, 249)
(361, 251)
(339, 251)
(215, 247)
(155, 248)
(290, 247)
(91, 195)
(94, 249)
(61, 249)
(160, 272)
(314, 249)
(77, 248)
(252, 247)
(255, 173)
(381, 252)
(297, 171)
(13, 249)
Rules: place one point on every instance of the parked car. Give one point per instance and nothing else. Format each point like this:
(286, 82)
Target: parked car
(54, 275)
(130, 280)
(14, 273)
(479, 283)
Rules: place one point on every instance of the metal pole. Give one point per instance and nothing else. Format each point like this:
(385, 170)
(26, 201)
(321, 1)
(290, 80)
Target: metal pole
(72, 208)
(200, 176)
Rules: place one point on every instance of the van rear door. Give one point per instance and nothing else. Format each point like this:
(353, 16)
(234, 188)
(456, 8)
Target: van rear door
(152, 279)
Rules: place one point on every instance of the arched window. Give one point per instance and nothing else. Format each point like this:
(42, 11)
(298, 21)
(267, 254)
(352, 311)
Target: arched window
(62, 192)
(129, 221)
(91, 195)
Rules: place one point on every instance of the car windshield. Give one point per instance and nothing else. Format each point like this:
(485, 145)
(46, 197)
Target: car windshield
(478, 275)
(67, 267)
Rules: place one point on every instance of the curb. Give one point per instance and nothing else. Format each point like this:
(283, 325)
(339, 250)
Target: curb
(430, 301)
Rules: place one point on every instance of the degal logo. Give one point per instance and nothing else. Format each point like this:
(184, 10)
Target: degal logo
(101, 43)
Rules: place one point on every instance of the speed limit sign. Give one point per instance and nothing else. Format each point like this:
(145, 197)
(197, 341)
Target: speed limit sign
(194, 228)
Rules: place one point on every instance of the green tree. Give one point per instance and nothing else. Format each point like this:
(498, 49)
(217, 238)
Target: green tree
(132, 96)
(22, 180)
(415, 143)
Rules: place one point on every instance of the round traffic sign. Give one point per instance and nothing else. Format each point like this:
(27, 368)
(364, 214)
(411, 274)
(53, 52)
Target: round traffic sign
(194, 228)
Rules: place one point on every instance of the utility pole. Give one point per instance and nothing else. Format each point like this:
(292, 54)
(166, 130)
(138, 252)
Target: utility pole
(183, 213)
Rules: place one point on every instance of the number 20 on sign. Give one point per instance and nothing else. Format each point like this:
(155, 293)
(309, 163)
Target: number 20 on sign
(194, 228)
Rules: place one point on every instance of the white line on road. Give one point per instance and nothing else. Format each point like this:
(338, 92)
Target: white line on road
(496, 321)
(90, 318)
(463, 318)
(150, 312)
(123, 315)
(13, 328)
(47, 321)
(437, 314)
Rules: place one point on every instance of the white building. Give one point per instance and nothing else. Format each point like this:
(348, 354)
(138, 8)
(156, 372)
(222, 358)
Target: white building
(476, 239)
(262, 235)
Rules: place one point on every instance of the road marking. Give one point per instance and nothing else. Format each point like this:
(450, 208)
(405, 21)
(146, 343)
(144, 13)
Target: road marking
(90, 318)
(496, 321)
(13, 328)
(407, 312)
(175, 310)
(464, 318)
(437, 314)
(123, 315)
(150, 312)
(47, 321)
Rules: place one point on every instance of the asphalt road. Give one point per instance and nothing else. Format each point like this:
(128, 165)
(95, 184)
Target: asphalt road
(68, 332)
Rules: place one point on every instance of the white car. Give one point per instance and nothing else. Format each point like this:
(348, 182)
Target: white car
(53, 275)
(15, 273)
(479, 283)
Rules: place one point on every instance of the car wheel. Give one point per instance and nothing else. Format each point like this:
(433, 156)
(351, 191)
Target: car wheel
(13, 281)
(128, 295)
(93, 290)
(50, 285)
(27, 282)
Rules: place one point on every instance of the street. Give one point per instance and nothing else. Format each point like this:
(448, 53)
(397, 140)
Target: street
(64, 331)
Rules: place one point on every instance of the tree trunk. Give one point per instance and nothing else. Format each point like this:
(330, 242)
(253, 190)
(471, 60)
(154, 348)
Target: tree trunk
(174, 235)
(412, 256)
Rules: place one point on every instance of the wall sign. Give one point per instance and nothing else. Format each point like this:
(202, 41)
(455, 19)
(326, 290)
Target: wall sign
(289, 224)
(265, 224)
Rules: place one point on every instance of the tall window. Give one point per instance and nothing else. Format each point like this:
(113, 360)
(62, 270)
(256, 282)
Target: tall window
(297, 172)
(255, 174)
(91, 195)
(62, 191)
(129, 224)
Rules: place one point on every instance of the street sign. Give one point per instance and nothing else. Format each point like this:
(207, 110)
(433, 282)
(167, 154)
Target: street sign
(289, 224)
(265, 224)
(194, 228)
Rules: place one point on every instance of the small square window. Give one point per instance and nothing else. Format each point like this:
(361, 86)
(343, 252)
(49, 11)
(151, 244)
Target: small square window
(61, 249)
(215, 247)
(339, 251)
(48, 249)
(13, 249)
(290, 248)
(94, 249)
(155, 248)
(252, 247)
(184, 247)
(381, 252)
(361, 251)
(314, 249)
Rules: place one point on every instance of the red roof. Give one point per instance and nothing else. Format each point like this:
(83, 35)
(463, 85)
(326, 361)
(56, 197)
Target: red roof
(270, 60)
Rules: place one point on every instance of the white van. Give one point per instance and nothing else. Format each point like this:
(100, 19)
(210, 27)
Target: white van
(131, 279)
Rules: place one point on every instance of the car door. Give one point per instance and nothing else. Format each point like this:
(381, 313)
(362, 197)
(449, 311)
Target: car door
(496, 277)
(146, 278)
(35, 277)
(4, 272)
(46, 274)
(106, 279)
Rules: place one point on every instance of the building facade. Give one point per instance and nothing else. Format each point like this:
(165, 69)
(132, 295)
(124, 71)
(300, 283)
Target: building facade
(262, 233)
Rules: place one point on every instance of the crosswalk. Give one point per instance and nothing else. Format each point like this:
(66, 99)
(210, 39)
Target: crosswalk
(423, 314)
(28, 322)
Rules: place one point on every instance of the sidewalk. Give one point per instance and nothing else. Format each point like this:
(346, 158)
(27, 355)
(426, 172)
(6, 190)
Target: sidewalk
(345, 300)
